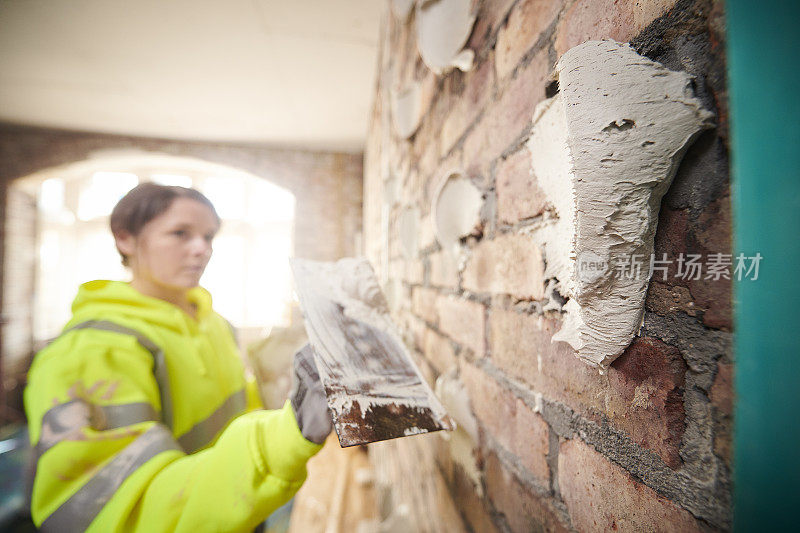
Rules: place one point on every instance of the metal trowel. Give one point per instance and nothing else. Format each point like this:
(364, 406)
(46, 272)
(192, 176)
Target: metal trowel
(374, 389)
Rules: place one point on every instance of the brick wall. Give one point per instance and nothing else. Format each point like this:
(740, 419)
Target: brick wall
(645, 446)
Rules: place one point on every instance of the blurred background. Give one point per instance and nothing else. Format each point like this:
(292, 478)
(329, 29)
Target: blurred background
(261, 105)
(98, 96)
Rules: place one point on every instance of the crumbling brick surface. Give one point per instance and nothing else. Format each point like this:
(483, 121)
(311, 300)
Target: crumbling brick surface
(618, 502)
(645, 446)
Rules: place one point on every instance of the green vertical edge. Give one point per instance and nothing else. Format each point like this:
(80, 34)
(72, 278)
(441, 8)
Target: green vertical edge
(764, 89)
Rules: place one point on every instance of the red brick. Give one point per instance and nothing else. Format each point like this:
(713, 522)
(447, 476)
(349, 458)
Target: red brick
(508, 117)
(415, 328)
(601, 496)
(641, 394)
(621, 20)
(667, 299)
(523, 510)
(508, 264)
(713, 235)
(515, 340)
(468, 501)
(645, 397)
(722, 398)
(714, 296)
(478, 86)
(670, 239)
(443, 270)
(414, 271)
(463, 321)
(409, 270)
(425, 369)
(518, 193)
(722, 390)
(489, 16)
(713, 227)
(423, 303)
(511, 423)
(525, 23)
(438, 351)
(427, 152)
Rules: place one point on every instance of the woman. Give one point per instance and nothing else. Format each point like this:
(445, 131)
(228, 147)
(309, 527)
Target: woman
(136, 412)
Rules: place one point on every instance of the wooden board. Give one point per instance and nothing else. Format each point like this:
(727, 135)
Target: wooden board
(374, 389)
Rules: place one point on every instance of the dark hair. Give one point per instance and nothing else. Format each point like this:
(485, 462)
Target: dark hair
(145, 202)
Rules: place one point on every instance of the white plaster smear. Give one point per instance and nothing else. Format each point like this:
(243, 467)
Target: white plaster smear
(407, 109)
(456, 210)
(351, 283)
(443, 28)
(408, 229)
(604, 150)
(464, 439)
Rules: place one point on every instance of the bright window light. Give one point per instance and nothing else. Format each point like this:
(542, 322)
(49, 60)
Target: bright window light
(248, 276)
(104, 191)
(51, 196)
(223, 277)
(268, 203)
(227, 195)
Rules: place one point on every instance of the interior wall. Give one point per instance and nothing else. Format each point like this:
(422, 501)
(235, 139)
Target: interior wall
(556, 445)
(326, 185)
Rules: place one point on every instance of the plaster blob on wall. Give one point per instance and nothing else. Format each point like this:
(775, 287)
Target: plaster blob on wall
(408, 223)
(456, 210)
(443, 28)
(605, 150)
(407, 110)
(464, 438)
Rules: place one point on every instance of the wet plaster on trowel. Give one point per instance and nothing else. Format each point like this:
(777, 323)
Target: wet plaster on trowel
(604, 151)
(369, 377)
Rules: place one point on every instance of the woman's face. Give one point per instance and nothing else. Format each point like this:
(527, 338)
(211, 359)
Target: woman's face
(172, 250)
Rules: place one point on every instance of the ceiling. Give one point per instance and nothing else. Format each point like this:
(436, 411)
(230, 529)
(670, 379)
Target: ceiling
(296, 73)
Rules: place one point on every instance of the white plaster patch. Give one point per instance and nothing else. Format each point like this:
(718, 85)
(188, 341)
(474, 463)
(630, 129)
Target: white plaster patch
(453, 395)
(456, 210)
(409, 231)
(463, 440)
(407, 110)
(443, 28)
(361, 358)
(605, 150)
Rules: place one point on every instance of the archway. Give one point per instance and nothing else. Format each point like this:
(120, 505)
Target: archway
(57, 237)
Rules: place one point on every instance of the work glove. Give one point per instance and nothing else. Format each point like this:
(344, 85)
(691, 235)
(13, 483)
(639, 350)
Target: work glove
(308, 398)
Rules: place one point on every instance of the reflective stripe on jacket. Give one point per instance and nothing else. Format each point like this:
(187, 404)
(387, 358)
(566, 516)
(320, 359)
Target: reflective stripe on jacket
(136, 415)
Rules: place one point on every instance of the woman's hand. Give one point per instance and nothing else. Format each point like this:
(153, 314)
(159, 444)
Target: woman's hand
(308, 398)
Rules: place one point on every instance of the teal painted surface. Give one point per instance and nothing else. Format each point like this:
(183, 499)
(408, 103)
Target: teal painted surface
(764, 87)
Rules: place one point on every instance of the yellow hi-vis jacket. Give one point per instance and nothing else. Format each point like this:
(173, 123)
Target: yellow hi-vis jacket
(137, 416)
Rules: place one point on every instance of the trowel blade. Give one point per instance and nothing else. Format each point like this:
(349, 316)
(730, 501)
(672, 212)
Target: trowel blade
(374, 390)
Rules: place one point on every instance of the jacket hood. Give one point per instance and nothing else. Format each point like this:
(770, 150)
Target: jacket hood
(104, 299)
